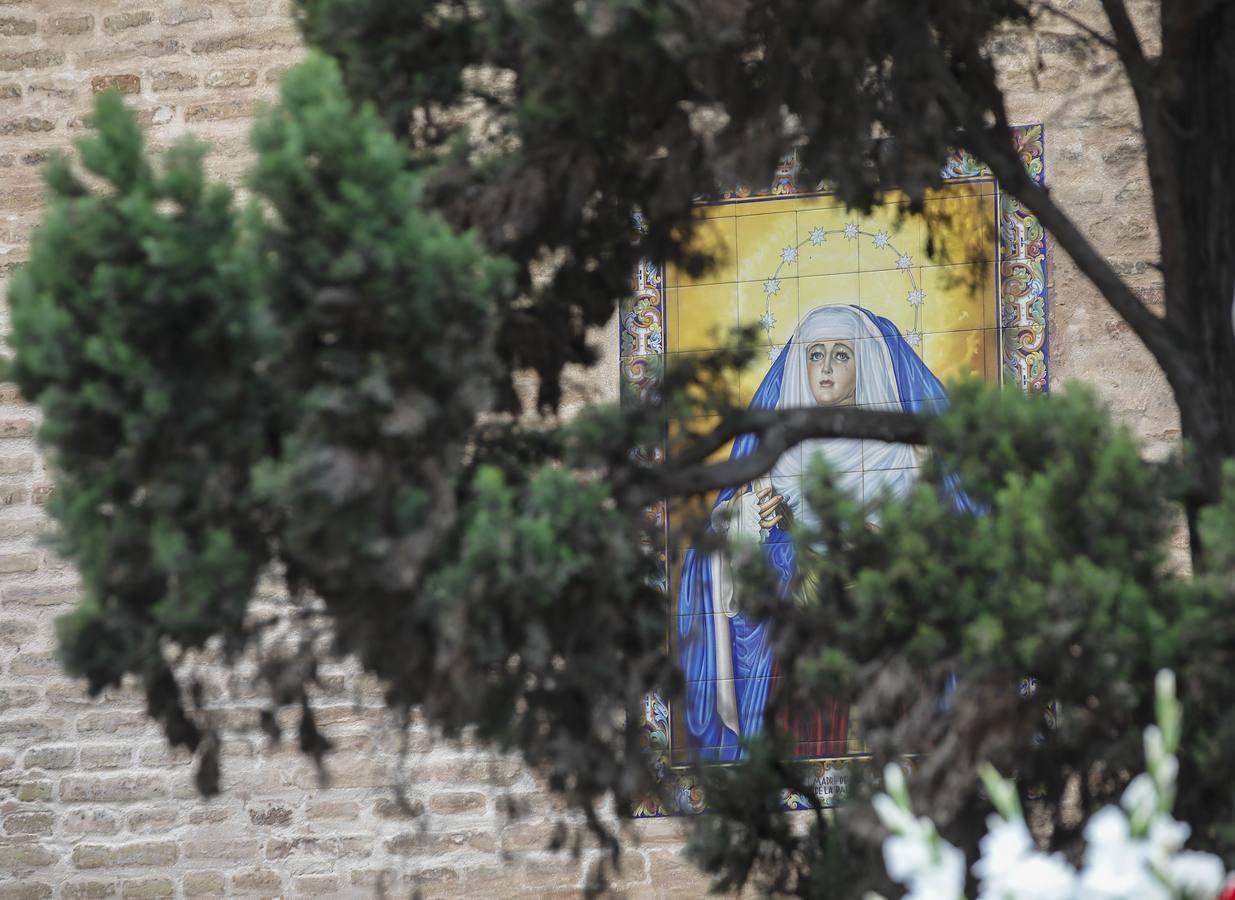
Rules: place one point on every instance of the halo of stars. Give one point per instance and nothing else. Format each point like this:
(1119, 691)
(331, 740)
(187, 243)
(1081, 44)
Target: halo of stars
(817, 237)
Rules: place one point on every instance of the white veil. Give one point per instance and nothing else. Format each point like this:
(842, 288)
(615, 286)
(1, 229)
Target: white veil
(864, 468)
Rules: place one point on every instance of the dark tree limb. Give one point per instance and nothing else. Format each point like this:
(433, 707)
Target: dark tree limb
(779, 430)
(975, 90)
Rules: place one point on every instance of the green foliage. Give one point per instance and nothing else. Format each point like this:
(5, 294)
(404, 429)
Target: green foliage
(138, 325)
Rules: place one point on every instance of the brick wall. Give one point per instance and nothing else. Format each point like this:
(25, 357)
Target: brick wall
(92, 804)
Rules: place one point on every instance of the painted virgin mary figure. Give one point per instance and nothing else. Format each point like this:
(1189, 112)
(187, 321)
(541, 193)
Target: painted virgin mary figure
(839, 355)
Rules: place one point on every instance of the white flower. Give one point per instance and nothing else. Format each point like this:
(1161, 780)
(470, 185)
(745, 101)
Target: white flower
(944, 880)
(851, 231)
(817, 236)
(1155, 747)
(1034, 876)
(1121, 877)
(917, 297)
(768, 321)
(881, 239)
(906, 857)
(771, 286)
(904, 261)
(773, 352)
(1197, 876)
(1002, 847)
(1116, 866)
(1107, 828)
(789, 255)
(1166, 836)
(1140, 798)
(914, 338)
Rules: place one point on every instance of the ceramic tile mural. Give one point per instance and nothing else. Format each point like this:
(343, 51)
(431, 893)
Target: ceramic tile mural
(877, 310)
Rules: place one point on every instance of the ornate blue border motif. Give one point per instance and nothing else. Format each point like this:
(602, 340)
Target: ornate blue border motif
(1024, 362)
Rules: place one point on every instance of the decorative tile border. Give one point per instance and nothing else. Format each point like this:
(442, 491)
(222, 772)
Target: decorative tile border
(1024, 356)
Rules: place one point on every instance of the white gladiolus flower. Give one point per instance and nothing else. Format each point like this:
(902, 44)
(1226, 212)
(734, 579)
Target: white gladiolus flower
(1167, 836)
(944, 880)
(1155, 747)
(1036, 877)
(1134, 851)
(1140, 797)
(1002, 848)
(1197, 876)
(1107, 828)
(905, 857)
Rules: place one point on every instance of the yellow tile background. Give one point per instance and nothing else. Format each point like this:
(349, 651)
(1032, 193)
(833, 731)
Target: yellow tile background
(747, 239)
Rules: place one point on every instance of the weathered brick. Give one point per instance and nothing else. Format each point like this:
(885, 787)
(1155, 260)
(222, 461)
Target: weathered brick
(124, 21)
(152, 819)
(117, 723)
(248, 9)
(219, 109)
(18, 464)
(163, 754)
(11, 26)
(42, 594)
(17, 697)
(30, 59)
(182, 15)
(263, 882)
(11, 563)
(422, 843)
(29, 823)
(304, 846)
(126, 84)
(373, 878)
(34, 663)
(390, 808)
(25, 732)
(25, 125)
(210, 814)
(25, 890)
(20, 857)
(221, 847)
(173, 81)
(33, 791)
(332, 810)
(147, 888)
(90, 821)
(231, 78)
(70, 25)
(49, 757)
(106, 756)
(282, 39)
(202, 884)
(13, 494)
(142, 853)
(270, 815)
(452, 803)
(113, 788)
(90, 889)
(315, 885)
(126, 51)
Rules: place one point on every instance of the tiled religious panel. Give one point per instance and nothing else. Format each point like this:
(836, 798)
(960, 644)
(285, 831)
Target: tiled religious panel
(879, 311)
